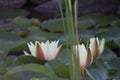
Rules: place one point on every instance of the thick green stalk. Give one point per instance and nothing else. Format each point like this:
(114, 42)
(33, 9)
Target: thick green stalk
(71, 28)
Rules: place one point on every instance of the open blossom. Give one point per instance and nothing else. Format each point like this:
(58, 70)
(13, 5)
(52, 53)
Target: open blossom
(85, 56)
(96, 46)
(47, 51)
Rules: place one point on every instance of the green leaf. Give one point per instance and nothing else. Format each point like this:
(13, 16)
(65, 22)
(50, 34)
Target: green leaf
(98, 71)
(18, 50)
(84, 23)
(48, 79)
(114, 63)
(112, 34)
(3, 70)
(11, 13)
(41, 35)
(62, 71)
(86, 34)
(112, 71)
(40, 79)
(107, 55)
(116, 23)
(114, 68)
(56, 25)
(33, 68)
(64, 56)
(53, 25)
(21, 22)
(9, 40)
(8, 61)
(105, 70)
(101, 19)
(28, 59)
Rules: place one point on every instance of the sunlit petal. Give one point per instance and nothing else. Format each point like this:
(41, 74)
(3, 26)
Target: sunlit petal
(92, 45)
(82, 55)
(32, 48)
(102, 45)
(26, 53)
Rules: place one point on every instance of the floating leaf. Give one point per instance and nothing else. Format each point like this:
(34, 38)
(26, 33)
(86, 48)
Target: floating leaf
(112, 34)
(28, 59)
(112, 72)
(41, 35)
(116, 23)
(101, 19)
(56, 25)
(98, 72)
(33, 68)
(48, 79)
(3, 70)
(62, 71)
(11, 13)
(21, 22)
(9, 40)
(114, 63)
(107, 54)
(84, 23)
(18, 50)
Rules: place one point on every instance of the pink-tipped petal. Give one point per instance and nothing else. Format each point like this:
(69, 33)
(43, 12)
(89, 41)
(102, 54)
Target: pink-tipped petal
(96, 51)
(39, 52)
(89, 57)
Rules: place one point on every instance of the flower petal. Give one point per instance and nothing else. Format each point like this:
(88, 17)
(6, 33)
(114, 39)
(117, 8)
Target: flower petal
(46, 51)
(32, 48)
(82, 55)
(44, 47)
(26, 53)
(102, 45)
(89, 57)
(92, 45)
(96, 51)
(39, 51)
(58, 51)
(53, 51)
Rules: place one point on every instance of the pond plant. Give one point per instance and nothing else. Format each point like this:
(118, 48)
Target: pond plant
(80, 54)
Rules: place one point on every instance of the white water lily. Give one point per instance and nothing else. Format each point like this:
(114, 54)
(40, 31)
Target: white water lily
(45, 51)
(85, 56)
(96, 46)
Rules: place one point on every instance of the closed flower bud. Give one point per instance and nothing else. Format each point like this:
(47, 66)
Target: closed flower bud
(96, 46)
(85, 56)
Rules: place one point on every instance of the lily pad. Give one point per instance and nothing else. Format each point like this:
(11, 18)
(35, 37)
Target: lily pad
(28, 59)
(32, 67)
(56, 25)
(101, 19)
(11, 13)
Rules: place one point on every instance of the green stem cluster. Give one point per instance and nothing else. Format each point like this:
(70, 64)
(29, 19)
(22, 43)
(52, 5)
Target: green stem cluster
(70, 26)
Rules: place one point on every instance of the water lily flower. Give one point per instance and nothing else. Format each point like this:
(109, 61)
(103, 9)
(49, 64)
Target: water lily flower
(96, 46)
(85, 56)
(47, 51)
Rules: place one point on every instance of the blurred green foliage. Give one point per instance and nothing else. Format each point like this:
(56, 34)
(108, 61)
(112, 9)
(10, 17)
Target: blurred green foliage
(14, 39)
